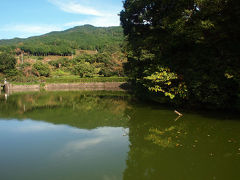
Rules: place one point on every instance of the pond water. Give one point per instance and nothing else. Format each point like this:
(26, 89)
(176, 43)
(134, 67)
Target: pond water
(108, 136)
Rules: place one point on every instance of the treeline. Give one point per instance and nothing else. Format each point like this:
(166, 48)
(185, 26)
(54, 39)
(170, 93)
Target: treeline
(57, 47)
(7, 49)
(187, 50)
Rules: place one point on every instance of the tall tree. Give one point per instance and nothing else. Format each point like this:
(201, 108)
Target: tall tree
(197, 40)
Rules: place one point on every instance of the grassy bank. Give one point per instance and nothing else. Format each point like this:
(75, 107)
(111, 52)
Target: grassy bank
(83, 80)
(72, 79)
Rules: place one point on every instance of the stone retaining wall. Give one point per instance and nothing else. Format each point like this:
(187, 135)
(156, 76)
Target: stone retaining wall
(108, 86)
(21, 88)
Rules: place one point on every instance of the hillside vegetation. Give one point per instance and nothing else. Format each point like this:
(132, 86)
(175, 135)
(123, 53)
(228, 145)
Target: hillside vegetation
(83, 51)
(85, 37)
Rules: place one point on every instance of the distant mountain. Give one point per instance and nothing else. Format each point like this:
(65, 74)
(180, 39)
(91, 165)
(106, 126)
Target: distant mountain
(86, 37)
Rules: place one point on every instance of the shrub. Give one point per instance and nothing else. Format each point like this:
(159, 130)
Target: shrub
(41, 69)
(84, 69)
(7, 62)
(40, 58)
(12, 72)
(24, 65)
(106, 72)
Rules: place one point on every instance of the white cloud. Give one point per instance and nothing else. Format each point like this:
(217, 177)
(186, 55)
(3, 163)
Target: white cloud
(75, 8)
(108, 20)
(27, 30)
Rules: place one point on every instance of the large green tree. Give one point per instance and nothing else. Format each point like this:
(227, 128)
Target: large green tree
(84, 69)
(197, 40)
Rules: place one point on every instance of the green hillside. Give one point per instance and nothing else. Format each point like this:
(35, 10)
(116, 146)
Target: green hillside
(85, 37)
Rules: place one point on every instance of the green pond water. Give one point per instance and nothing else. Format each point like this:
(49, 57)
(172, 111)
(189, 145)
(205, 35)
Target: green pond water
(109, 136)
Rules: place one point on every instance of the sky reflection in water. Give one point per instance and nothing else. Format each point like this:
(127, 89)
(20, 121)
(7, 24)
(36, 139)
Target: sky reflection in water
(48, 151)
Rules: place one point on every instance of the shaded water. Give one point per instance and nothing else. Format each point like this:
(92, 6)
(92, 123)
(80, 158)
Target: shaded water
(106, 135)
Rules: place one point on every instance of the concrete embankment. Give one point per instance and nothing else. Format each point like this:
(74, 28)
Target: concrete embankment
(99, 86)
(20, 88)
(108, 86)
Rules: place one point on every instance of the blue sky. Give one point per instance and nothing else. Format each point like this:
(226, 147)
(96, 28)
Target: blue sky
(25, 18)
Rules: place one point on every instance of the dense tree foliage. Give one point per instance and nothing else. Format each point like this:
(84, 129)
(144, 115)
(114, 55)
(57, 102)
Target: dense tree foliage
(197, 40)
(41, 69)
(85, 69)
(7, 62)
(56, 47)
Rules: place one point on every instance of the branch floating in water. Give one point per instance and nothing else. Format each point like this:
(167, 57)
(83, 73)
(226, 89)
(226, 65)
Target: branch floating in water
(178, 113)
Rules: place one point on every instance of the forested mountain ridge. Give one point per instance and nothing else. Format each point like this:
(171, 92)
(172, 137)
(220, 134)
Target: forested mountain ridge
(84, 37)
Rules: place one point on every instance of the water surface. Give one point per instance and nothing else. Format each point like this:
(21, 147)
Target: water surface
(107, 135)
